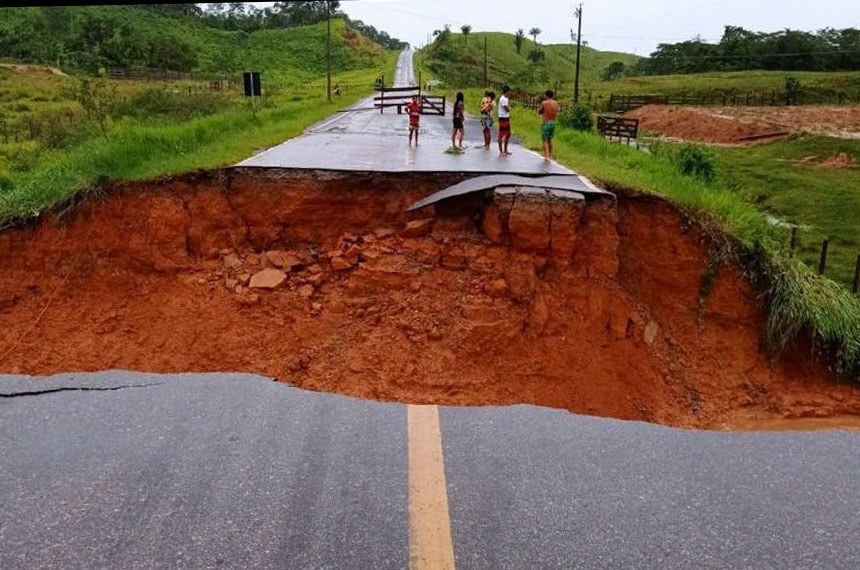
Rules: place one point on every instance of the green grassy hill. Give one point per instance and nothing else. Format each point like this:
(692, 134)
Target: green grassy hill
(92, 37)
(818, 82)
(459, 61)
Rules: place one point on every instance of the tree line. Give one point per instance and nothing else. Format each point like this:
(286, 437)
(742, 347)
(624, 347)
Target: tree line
(248, 18)
(740, 49)
(91, 39)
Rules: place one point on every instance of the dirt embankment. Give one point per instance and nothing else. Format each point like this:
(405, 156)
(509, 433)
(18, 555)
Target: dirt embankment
(747, 125)
(323, 282)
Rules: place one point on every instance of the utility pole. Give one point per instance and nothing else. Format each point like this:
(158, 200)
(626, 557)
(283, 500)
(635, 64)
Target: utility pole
(328, 50)
(578, 14)
(485, 62)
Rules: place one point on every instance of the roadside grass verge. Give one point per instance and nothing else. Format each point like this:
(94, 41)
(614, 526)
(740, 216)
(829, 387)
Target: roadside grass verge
(139, 150)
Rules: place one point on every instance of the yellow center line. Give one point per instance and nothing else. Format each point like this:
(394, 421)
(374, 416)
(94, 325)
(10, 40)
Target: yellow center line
(430, 544)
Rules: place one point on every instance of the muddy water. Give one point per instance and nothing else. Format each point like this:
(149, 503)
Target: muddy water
(835, 423)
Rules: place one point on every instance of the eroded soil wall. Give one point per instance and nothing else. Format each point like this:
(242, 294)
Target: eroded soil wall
(321, 280)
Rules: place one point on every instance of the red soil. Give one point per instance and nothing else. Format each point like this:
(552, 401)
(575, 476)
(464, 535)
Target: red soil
(593, 307)
(747, 125)
(697, 124)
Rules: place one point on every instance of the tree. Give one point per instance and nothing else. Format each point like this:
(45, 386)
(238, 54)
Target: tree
(466, 29)
(535, 32)
(171, 53)
(613, 71)
(518, 40)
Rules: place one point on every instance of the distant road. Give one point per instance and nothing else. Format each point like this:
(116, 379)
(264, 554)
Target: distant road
(364, 140)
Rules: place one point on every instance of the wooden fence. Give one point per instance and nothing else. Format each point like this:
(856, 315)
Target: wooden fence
(620, 103)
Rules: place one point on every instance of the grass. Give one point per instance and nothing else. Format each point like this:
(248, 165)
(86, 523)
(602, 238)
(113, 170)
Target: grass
(136, 150)
(740, 81)
(824, 202)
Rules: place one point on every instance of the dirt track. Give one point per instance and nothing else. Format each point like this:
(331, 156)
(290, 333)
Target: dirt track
(595, 308)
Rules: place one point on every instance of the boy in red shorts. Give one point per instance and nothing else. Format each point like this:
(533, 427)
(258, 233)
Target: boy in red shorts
(504, 121)
(413, 109)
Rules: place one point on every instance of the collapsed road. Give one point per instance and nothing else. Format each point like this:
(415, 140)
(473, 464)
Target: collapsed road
(420, 289)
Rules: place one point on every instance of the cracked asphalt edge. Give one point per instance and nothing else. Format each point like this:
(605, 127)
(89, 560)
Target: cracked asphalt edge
(75, 389)
(12, 385)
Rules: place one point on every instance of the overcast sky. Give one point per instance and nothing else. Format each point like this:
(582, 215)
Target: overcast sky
(634, 26)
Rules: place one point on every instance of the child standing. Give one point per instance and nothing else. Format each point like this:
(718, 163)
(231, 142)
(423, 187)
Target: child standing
(487, 104)
(459, 117)
(504, 121)
(413, 109)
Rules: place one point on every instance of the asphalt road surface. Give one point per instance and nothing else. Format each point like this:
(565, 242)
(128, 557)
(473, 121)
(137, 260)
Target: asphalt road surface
(122, 470)
(362, 139)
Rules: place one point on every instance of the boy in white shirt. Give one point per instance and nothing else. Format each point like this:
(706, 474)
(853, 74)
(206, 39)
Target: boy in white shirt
(504, 121)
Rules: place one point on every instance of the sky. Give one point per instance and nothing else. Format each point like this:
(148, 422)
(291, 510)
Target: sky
(633, 26)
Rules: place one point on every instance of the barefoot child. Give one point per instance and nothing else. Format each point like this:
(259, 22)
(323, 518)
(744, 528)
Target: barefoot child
(459, 116)
(413, 109)
(504, 121)
(487, 104)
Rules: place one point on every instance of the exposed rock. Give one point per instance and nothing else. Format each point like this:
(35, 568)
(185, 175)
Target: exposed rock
(529, 224)
(417, 228)
(353, 253)
(268, 279)
(341, 264)
(306, 291)
(383, 233)
(454, 259)
(650, 334)
(244, 278)
(315, 268)
(232, 261)
(283, 260)
(496, 288)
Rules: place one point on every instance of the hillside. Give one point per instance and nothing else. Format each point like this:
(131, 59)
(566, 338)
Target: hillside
(459, 61)
(824, 84)
(90, 38)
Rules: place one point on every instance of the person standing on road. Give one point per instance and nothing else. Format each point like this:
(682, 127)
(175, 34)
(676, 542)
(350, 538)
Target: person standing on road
(548, 109)
(504, 121)
(487, 104)
(413, 109)
(459, 117)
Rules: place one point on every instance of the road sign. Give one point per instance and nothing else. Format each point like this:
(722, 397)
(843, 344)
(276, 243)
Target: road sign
(252, 84)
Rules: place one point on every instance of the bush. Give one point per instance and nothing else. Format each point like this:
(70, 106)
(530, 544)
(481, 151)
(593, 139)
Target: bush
(577, 117)
(174, 103)
(695, 161)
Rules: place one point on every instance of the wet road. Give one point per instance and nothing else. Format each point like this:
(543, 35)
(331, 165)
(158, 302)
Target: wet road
(365, 140)
(122, 470)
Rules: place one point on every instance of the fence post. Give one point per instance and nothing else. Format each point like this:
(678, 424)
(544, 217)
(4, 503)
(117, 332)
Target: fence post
(793, 244)
(857, 275)
(822, 264)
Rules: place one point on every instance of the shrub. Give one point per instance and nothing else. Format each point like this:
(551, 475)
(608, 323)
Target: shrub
(174, 103)
(695, 161)
(577, 117)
